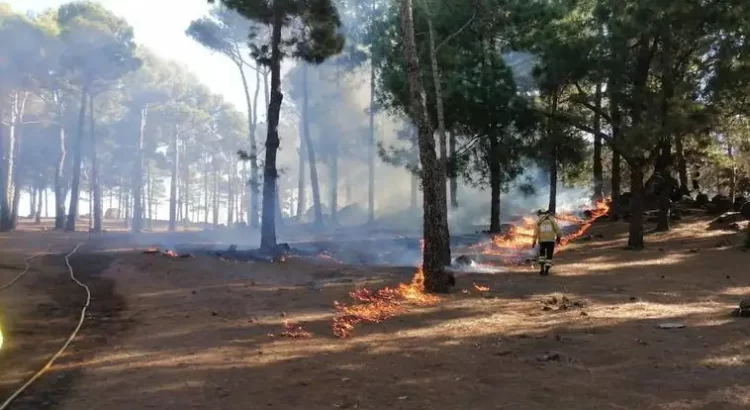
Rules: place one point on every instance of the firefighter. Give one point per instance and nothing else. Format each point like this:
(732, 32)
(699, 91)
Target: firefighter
(547, 233)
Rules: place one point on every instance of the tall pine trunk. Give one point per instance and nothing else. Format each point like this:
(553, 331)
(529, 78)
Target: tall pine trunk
(19, 111)
(598, 172)
(371, 147)
(438, 103)
(60, 189)
(310, 149)
(173, 181)
(75, 190)
(4, 210)
(334, 183)
(552, 140)
(635, 234)
(495, 183)
(301, 186)
(270, 174)
(138, 172)
(437, 252)
(681, 165)
(96, 187)
(41, 191)
(215, 197)
(251, 121)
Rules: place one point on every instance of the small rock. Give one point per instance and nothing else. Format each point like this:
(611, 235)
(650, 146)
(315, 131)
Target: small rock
(693, 251)
(633, 299)
(214, 313)
(662, 276)
(546, 308)
(584, 314)
(745, 304)
(194, 292)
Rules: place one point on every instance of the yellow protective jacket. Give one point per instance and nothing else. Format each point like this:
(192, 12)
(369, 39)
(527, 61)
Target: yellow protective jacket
(546, 229)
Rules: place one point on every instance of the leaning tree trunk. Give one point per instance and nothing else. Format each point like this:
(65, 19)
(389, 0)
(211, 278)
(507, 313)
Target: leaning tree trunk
(310, 150)
(268, 223)
(96, 187)
(138, 172)
(75, 190)
(173, 182)
(437, 252)
(635, 234)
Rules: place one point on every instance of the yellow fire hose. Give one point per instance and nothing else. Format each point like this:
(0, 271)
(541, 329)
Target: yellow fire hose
(51, 361)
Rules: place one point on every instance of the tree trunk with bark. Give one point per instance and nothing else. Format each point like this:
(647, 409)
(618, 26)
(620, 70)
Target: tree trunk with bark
(635, 233)
(75, 190)
(452, 170)
(437, 253)
(270, 174)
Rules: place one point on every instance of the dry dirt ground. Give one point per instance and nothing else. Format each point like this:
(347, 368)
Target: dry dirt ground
(202, 333)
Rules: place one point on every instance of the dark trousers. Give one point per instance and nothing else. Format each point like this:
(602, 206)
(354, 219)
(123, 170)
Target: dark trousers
(546, 251)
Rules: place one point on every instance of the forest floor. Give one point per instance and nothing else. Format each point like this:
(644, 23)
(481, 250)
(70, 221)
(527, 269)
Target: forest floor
(205, 333)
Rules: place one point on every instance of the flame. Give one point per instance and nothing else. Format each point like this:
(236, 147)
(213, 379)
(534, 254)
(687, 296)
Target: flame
(481, 288)
(508, 246)
(293, 330)
(376, 306)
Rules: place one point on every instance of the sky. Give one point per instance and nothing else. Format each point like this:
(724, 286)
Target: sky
(160, 25)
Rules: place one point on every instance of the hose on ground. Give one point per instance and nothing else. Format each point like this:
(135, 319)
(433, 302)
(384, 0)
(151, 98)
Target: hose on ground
(72, 336)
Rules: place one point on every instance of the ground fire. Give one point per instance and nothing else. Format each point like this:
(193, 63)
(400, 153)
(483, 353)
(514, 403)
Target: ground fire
(377, 306)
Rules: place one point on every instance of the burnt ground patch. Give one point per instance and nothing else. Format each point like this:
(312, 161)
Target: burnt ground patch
(58, 315)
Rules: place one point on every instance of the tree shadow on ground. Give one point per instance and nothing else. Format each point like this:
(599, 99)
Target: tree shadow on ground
(211, 338)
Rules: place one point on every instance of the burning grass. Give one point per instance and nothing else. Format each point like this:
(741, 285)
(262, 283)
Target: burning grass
(375, 307)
